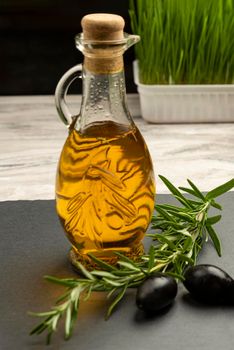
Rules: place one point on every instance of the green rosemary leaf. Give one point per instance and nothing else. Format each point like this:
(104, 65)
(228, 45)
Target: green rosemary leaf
(151, 261)
(164, 239)
(170, 208)
(184, 216)
(184, 201)
(106, 274)
(68, 322)
(54, 322)
(74, 315)
(116, 301)
(213, 235)
(67, 282)
(187, 244)
(48, 338)
(162, 227)
(185, 258)
(164, 213)
(157, 222)
(177, 268)
(197, 192)
(175, 275)
(188, 190)
(196, 203)
(125, 272)
(215, 205)
(170, 186)
(39, 328)
(177, 194)
(130, 266)
(112, 283)
(84, 271)
(71, 316)
(102, 263)
(218, 191)
(125, 258)
(113, 290)
(88, 292)
(43, 314)
(213, 219)
(167, 223)
(75, 294)
(63, 297)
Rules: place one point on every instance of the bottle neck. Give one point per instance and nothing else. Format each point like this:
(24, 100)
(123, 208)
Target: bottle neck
(103, 99)
(104, 64)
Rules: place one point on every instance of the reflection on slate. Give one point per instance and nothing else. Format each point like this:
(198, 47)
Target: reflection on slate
(33, 245)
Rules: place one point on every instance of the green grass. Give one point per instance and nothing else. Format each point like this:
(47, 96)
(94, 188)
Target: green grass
(184, 41)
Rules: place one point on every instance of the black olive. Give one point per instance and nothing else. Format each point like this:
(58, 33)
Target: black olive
(156, 292)
(209, 284)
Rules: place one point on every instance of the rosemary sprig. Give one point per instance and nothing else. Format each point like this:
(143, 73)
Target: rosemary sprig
(180, 233)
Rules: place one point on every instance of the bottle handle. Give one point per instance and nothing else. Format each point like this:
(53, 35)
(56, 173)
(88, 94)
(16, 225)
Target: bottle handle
(61, 93)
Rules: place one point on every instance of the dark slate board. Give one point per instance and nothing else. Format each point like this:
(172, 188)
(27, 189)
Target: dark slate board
(33, 245)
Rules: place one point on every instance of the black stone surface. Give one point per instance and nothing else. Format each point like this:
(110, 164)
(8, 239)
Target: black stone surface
(32, 245)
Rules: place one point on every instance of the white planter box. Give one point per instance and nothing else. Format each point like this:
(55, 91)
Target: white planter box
(185, 103)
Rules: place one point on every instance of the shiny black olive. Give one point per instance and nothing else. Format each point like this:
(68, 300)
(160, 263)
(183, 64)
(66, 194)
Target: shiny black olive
(156, 292)
(209, 284)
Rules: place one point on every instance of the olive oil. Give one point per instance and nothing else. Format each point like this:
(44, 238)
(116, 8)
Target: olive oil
(105, 190)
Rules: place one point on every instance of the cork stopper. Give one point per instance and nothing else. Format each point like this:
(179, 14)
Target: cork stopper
(103, 27)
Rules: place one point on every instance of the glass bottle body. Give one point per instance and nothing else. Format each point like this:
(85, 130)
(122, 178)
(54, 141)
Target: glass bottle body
(105, 183)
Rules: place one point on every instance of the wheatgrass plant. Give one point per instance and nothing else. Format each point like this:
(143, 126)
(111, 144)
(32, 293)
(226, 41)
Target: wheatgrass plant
(184, 41)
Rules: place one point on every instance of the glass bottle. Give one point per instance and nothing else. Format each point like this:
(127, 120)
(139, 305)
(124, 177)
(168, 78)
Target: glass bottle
(105, 183)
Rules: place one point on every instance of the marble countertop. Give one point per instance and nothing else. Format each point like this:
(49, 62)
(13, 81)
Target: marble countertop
(32, 136)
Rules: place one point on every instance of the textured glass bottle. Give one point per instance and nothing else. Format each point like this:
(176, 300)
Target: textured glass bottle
(105, 183)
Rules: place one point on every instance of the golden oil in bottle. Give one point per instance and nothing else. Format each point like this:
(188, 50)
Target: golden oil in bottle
(105, 190)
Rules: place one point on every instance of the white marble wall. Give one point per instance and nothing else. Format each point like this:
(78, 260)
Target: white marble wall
(31, 138)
